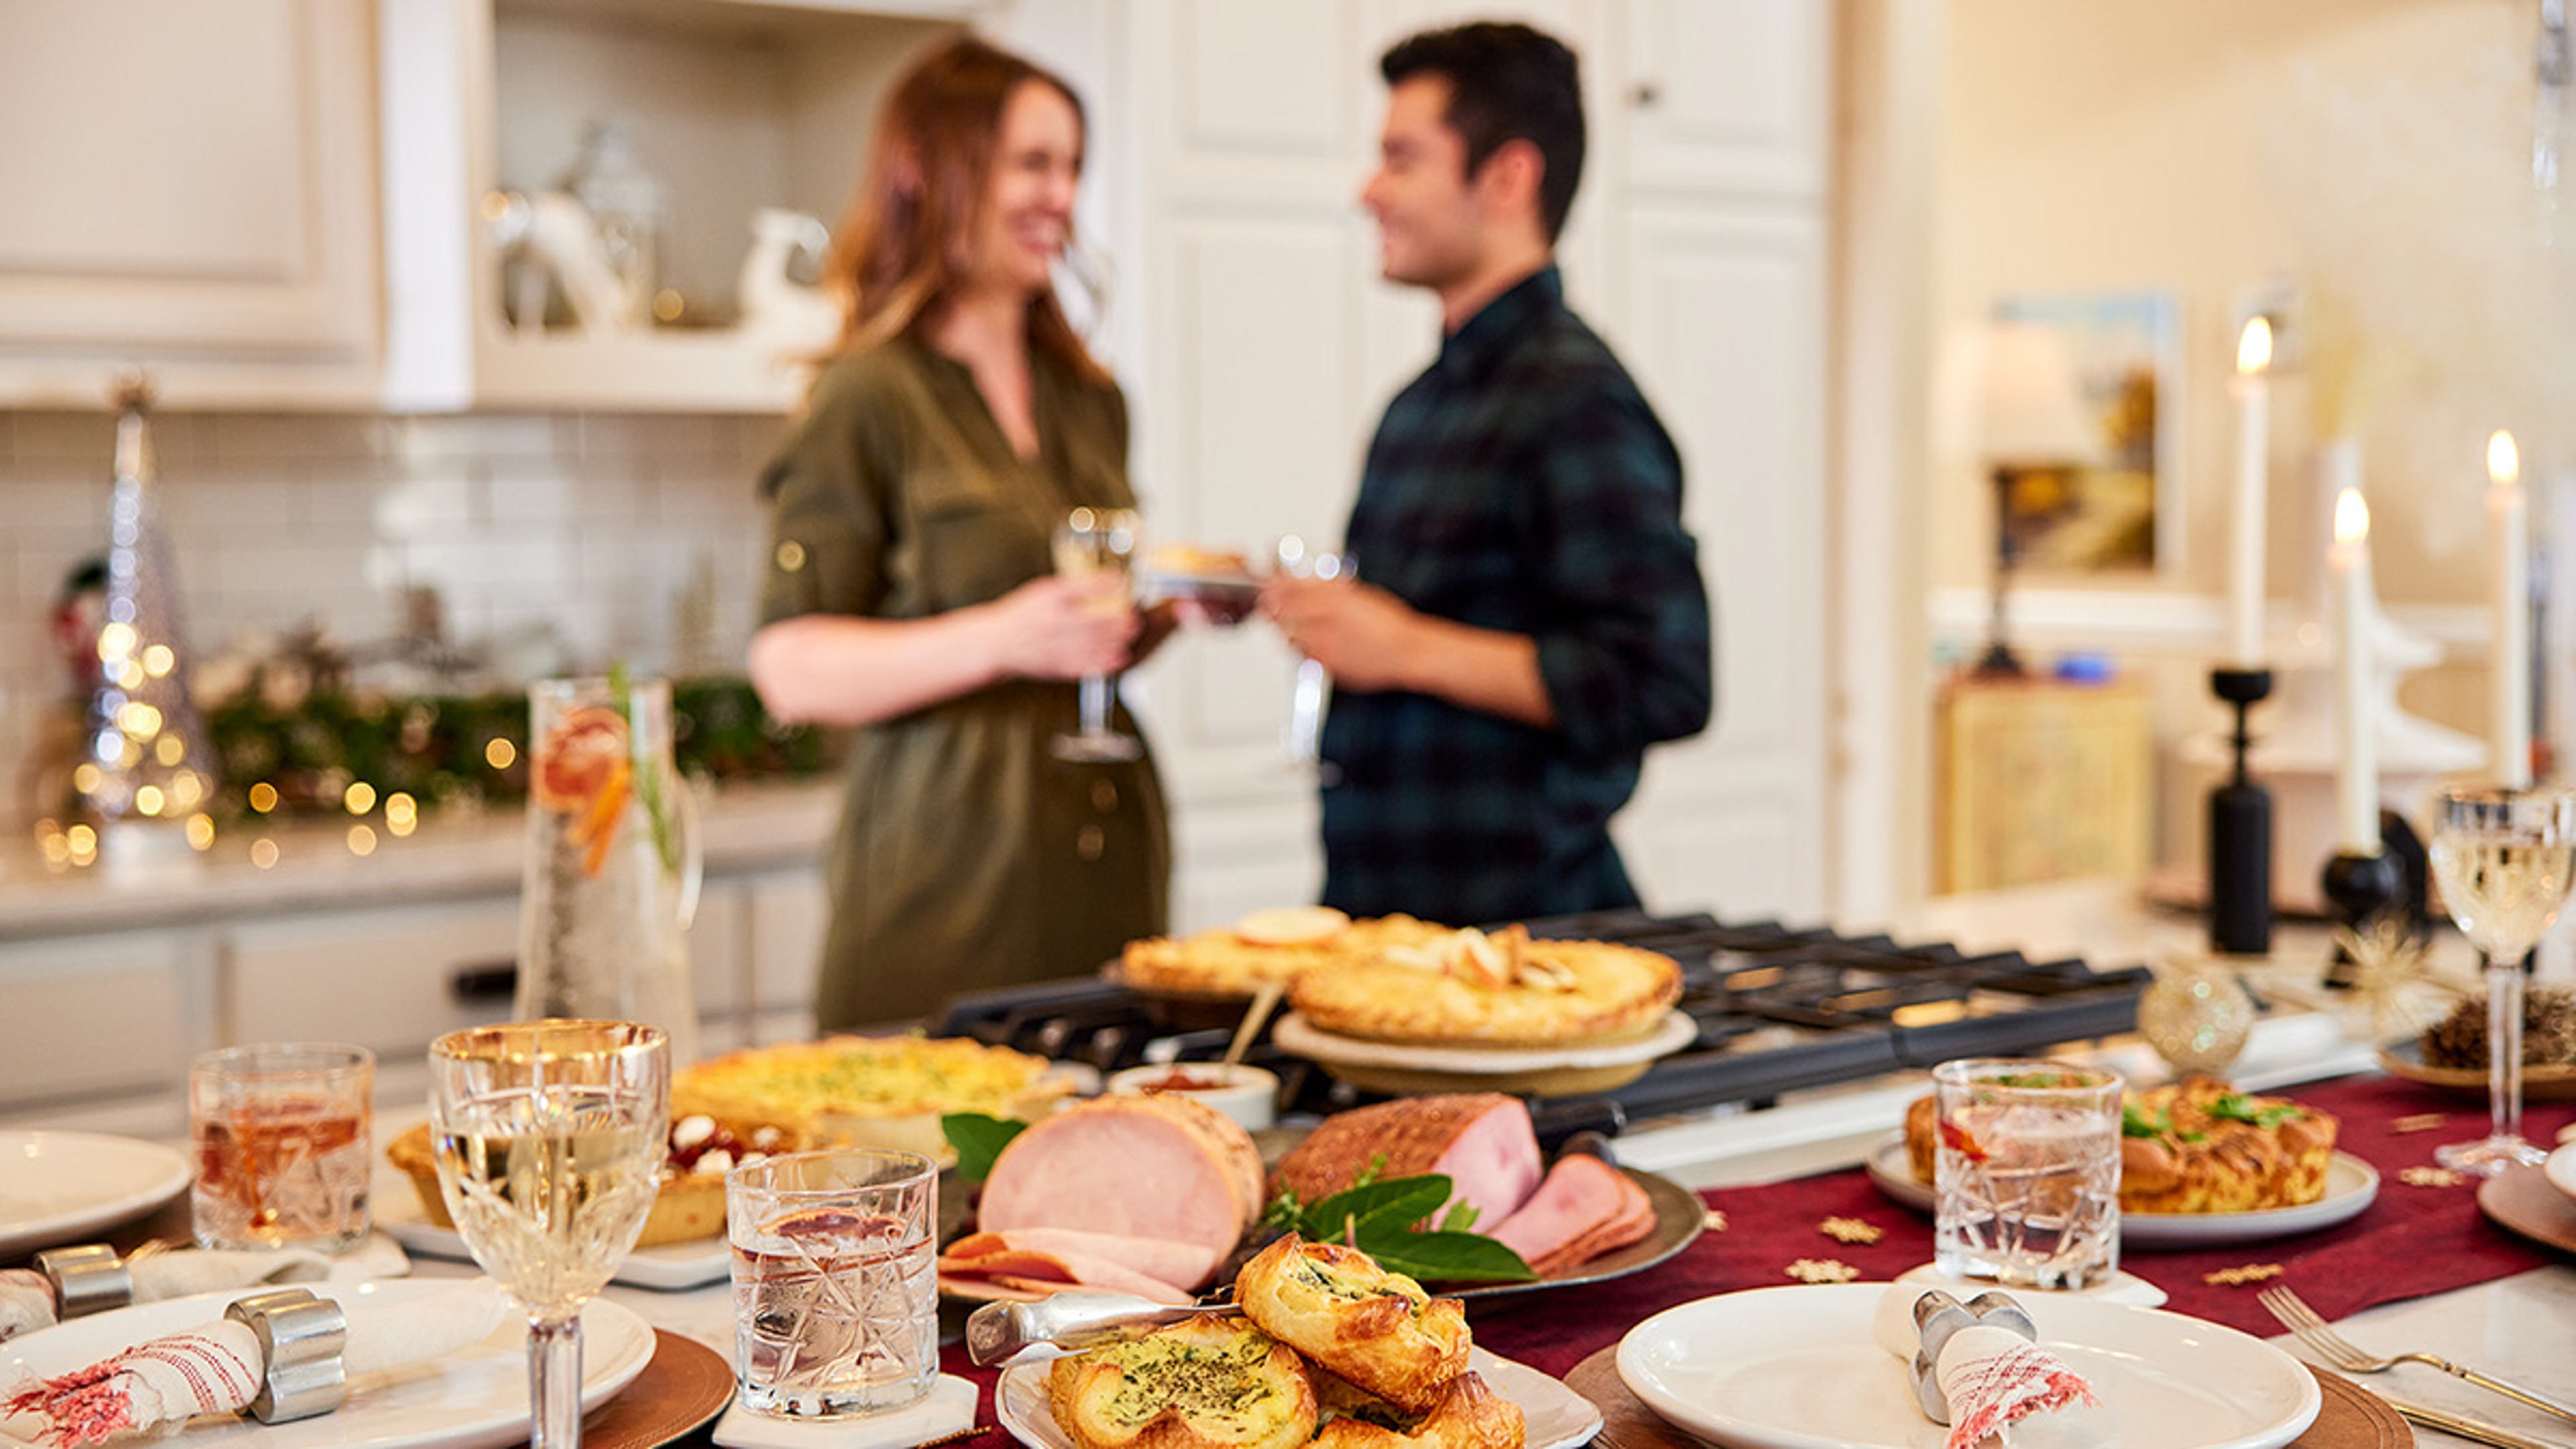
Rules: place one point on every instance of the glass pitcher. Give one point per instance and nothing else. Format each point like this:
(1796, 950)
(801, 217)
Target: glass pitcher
(613, 864)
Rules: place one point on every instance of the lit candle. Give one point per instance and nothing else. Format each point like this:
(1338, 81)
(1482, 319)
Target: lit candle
(2509, 677)
(2245, 541)
(2357, 763)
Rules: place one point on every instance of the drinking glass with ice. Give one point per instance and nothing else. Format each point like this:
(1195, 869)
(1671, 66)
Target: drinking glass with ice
(2026, 1176)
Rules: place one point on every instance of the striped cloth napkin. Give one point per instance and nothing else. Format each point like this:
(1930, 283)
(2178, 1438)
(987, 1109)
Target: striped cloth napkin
(216, 1367)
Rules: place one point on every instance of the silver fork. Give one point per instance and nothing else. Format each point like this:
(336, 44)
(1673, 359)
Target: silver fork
(2340, 1352)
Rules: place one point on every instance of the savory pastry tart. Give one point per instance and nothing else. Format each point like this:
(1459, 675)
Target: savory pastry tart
(689, 1199)
(869, 1091)
(1204, 1383)
(1465, 1415)
(1279, 944)
(1471, 989)
(1377, 1329)
(2197, 1146)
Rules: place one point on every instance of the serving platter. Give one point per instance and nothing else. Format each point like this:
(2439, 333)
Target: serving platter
(2351, 1186)
(1558, 1417)
(57, 1187)
(1800, 1368)
(1404, 1068)
(475, 1399)
(1680, 1217)
(2539, 1083)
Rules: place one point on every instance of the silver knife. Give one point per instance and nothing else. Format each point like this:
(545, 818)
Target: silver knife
(1071, 1322)
(2466, 1427)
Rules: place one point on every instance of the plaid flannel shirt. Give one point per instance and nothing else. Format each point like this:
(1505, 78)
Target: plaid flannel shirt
(1520, 484)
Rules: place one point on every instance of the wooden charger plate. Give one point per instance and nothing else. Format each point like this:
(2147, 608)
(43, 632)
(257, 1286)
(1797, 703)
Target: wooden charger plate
(2350, 1418)
(2524, 1200)
(2539, 1083)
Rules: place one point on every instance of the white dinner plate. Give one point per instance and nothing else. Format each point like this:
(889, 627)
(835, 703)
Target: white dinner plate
(2351, 1185)
(1295, 1034)
(474, 1399)
(2561, 1168)
(1798, 1368)
(57, 1186)
(1558, 1416)
(666, 1266)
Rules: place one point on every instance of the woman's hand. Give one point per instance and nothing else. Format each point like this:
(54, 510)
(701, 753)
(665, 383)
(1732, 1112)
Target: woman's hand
(1064, 627)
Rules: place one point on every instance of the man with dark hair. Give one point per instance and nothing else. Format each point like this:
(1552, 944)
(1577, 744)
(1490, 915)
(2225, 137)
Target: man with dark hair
(1533, 617)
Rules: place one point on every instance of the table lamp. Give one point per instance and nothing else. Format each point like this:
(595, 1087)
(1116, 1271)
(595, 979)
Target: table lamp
(2030, 418)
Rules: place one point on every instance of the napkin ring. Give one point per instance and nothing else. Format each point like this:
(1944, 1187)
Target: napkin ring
(1937, 1316)
(300, 1339)
(87, 1279)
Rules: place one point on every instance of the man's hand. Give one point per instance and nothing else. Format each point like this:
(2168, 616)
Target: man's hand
(1362, 635)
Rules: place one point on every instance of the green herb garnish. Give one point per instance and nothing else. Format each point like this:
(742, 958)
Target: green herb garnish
(1379, 1219)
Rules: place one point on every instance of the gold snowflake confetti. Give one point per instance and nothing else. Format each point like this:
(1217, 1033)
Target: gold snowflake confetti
(2430, 1177)
(1822, 1270)
(1715, 1222)
(1851, 1230)
(2234, 1277)
(2420, 1122)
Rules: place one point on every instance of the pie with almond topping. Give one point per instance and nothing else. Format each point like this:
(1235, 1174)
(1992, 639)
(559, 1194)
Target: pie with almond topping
(1467, 988)
(1266, 946)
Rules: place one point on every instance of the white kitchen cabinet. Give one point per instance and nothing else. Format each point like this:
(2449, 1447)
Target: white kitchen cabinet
(190, 188)
(104, 1016)
(390, 980)
(732, 106)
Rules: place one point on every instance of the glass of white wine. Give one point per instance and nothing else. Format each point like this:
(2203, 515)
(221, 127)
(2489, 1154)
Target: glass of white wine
(1302, 739)
(2504, 860)
(1098, 541)
(549, 1137)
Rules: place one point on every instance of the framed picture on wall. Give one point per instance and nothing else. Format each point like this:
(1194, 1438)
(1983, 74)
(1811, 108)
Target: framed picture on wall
(2121, 511)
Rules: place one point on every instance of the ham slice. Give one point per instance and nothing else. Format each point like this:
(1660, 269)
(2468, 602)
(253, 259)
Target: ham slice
(1156, 1167)
(1025, 1271)
(1481, 1141)
(1584, 1208)
(1185, 1265)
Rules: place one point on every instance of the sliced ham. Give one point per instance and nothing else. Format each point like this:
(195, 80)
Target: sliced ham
(1026, 1271)
(1187, 1265)
(1481, 1141)
(1157, 1167)
(1583, 1209)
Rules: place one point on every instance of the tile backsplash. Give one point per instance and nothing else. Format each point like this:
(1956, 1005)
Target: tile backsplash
(576, 539)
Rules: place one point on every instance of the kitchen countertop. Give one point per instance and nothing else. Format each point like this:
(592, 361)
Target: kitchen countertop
(453, 855)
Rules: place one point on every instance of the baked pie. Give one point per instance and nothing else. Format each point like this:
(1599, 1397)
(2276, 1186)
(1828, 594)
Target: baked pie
(1468, 988)
(1277, 945)
(862, 1091)
(2197, 1146)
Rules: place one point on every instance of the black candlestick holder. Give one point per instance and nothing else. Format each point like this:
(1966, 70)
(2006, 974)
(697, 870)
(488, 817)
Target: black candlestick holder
(2359, 887)
(2240, 831)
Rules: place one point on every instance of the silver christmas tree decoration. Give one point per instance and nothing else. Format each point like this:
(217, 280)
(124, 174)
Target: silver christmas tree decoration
(148, 763)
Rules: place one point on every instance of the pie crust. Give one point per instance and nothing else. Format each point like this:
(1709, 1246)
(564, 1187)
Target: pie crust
(1564, 992)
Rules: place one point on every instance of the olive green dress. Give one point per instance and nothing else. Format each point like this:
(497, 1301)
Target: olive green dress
(968, 856)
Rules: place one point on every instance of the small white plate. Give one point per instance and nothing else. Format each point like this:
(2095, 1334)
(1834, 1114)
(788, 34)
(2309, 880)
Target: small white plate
(667, 1267)
(57, 1186)
(1295, 1034)
(476, 1399)
(2561, 1169)
(1798, 1368)
(2351, 1186)
(1558, 1416)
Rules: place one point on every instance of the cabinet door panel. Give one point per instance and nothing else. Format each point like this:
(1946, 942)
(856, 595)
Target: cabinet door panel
(186, 177)
(90, 1016)
(1728, 95)
(1726, 339)
(383, 979)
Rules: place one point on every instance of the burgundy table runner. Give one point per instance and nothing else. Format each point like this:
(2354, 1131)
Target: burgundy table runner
(2413, 1241)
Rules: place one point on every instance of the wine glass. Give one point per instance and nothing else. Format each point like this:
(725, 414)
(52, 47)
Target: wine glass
(2504, 859)
(1303, 737)
(1097, 541)
(550, 1135)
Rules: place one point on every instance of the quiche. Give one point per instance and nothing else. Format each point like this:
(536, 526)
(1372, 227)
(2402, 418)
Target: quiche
(870, 1091)
(2198, 1146)
(1466, 988)
(1267, 946)
(1203, 1383)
